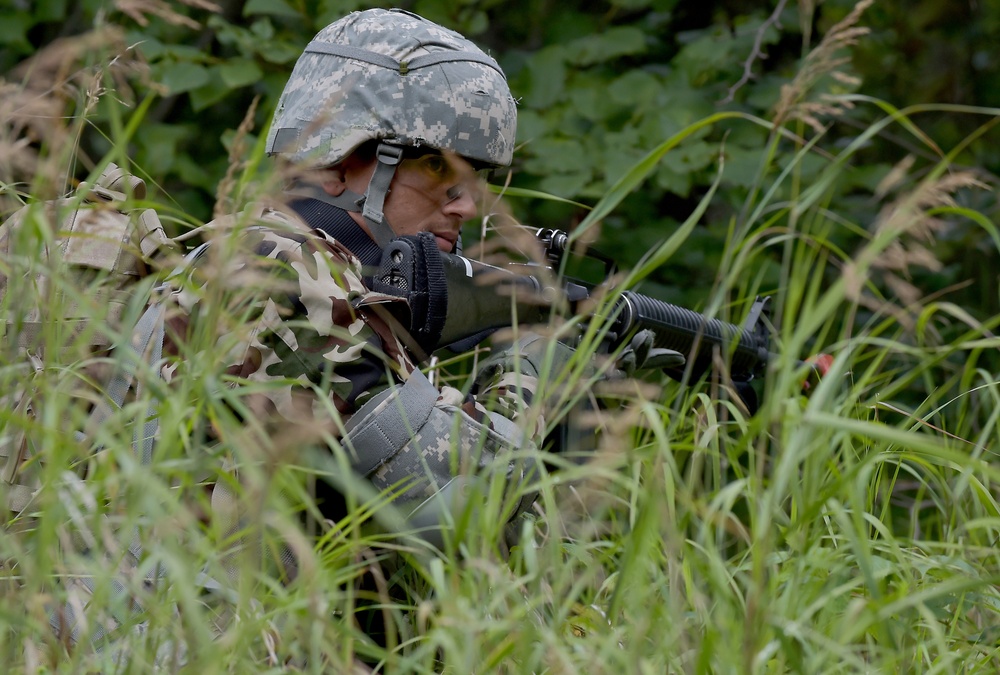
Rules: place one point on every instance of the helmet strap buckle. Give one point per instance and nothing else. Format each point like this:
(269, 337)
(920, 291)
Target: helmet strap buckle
(388, 158)
(389, 154)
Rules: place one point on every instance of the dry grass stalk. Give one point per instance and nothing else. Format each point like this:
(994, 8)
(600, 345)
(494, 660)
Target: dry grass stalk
(912, 231)
(48, 97)
(225, 199)
(28, 120)
(138, 9)
(895, 177)
(824, 60)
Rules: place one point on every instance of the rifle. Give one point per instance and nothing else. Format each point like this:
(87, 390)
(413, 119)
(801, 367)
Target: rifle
(482, 298)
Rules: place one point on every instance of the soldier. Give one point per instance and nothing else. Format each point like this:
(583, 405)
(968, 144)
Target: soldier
(386, 119)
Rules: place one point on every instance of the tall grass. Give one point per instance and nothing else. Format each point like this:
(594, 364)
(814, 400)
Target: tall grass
(853, 530)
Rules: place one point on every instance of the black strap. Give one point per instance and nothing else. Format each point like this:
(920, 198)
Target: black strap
(337, 223)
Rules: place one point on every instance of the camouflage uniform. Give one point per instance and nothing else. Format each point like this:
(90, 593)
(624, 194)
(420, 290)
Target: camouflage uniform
(317, 340)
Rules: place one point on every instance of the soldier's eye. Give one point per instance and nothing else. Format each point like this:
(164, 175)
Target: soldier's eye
(436, 165)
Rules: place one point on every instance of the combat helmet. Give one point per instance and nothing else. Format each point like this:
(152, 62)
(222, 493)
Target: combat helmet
(394, 77)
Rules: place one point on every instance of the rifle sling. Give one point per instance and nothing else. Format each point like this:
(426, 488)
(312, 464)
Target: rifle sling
(337, 223)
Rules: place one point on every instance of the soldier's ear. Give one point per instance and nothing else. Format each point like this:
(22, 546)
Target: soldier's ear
(334, 180)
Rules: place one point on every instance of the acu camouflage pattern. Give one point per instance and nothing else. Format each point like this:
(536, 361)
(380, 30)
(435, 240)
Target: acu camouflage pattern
(323, 352)
(456, 440)
(332, 104)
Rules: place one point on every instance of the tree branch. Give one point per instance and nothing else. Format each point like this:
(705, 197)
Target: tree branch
(756, 53)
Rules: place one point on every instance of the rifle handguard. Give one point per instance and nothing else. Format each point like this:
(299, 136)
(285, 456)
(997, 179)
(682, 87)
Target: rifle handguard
(682, 330)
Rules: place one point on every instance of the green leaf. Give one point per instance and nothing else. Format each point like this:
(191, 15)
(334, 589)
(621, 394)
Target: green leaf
(147, 45)
(742, 165)
(210, 93)
(14, 31)
(546, 77)
(531, 125)
(50, 10)
(329, 11)
(555, 155)
(182, 77)
(613, 43)
(631, 4)
(712, 51)
(158, 146)
(280, 51)
(690, 157)
(637, 87)
(192, 172)
(640, 171)
(270, 7)
(190, 53)
(240, 72)
(263, 29)
(477, 24)
(565, 184)
(593, 103)
(673, 181)
(619, 160)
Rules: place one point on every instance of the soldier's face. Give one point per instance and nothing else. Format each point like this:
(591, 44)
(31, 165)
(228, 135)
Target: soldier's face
(431, 192)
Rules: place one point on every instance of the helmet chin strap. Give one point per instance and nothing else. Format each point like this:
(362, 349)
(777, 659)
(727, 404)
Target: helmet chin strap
(387, 158)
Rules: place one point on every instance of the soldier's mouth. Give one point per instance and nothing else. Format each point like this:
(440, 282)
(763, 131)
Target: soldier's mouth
(445, 242)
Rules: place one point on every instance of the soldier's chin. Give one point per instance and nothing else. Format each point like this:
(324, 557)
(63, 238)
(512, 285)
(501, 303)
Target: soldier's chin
(446, 245)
